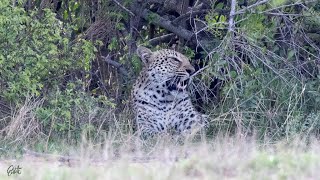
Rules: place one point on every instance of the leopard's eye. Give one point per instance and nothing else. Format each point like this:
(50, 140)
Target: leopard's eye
(175, 59)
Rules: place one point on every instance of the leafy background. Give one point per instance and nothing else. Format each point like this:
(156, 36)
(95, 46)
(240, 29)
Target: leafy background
(66, 67)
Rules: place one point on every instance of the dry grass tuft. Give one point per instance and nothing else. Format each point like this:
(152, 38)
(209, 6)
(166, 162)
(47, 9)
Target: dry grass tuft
(23, 123)
(167, 158)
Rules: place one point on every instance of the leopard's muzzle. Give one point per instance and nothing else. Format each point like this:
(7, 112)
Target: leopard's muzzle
(177, 84)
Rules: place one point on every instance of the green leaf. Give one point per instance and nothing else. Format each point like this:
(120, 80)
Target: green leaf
(291, 53)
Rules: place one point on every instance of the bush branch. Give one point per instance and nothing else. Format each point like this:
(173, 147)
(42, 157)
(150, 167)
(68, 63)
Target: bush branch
(115, 64)
(251, 6)
(156, 19)
(123, 7)
(158, 40)
(232, 14)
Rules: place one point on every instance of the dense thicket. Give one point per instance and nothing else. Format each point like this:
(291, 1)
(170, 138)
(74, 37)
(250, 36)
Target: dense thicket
(67, 67)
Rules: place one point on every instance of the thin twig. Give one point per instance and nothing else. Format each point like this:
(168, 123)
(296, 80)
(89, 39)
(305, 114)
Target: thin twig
(115, 64)
(199, 71)
(251, 6)
(124, 8)
(157, 40)
(286, 5)
(232, 14)
(283, 14)
(195, 13)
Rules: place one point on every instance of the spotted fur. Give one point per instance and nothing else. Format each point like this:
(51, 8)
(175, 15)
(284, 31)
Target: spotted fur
(160, 100)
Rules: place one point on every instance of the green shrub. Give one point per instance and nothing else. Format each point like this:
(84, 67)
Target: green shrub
(73, 111)
(36, 53)
(271, 86)
(39, 59)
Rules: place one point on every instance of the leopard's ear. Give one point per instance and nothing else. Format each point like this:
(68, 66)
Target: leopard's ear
(144, 54)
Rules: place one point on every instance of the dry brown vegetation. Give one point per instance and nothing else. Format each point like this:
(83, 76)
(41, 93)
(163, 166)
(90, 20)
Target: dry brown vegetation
(222, 158)
(123, 155)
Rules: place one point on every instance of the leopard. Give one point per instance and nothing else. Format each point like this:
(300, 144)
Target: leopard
(160, 100)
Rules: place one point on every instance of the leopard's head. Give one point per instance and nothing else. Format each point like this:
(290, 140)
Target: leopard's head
(167, 67)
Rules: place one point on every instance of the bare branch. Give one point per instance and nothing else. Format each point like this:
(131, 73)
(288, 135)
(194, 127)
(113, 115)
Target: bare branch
(287, 5)
(124, 8)
(232, 14)
(249, 7)
(115, 64)
(283, 14)
(199, 71)
(158, 40)
(181, 32)
(156, 1)
(156, 19)
(192, 14)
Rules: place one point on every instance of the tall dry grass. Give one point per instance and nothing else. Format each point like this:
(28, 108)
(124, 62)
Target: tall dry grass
(120, 154)
(166, 158)
(22, 124)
